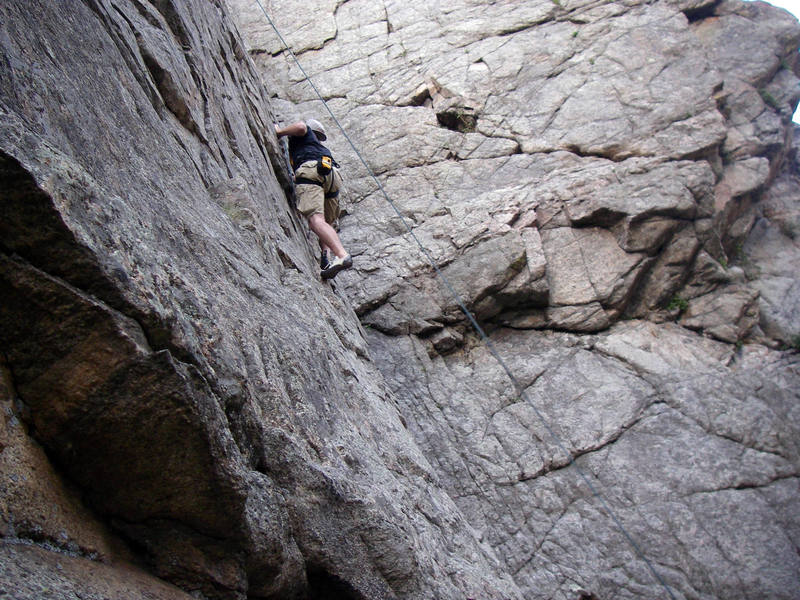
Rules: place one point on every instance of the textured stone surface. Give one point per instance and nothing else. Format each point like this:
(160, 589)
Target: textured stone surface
(771, 254)
(627, 118)
(169, 342)
(35, 503)
(183, 393)
(696, 453)
(31, 572)
(577, 165)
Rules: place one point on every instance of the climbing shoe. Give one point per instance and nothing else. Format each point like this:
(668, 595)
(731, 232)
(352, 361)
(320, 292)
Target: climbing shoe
(323, 260)
(336, 265)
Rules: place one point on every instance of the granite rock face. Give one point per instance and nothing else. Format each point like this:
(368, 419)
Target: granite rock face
(188, 411)
(771, 253)
(201, 408)
(644, 132)
(611, 191)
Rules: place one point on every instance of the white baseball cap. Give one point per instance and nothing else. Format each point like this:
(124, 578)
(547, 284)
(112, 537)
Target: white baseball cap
(317, 128)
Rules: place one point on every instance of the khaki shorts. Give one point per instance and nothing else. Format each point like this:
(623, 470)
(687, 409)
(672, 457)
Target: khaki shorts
(318, 199)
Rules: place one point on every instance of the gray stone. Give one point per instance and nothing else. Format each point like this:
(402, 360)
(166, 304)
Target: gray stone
(748, 41)
(696, 437)
(242, 429)
(637, 142)
(770, 258)
(728, 313)
(31, 572)
(169, 340)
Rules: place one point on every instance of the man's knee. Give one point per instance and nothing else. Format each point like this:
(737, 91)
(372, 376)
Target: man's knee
(316, 221)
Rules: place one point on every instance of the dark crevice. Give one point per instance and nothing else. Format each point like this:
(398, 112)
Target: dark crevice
(602, 217)
(423, 98)
(170, 93)
(522, 27)
(146, 13)
(327, 586)
(175, 23)
(608, 154)
(701, 12)
(461, 120)
(389, 26)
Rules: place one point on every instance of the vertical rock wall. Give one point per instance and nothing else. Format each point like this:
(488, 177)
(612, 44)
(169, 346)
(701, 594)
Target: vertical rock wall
(610, 188)
(188, 410)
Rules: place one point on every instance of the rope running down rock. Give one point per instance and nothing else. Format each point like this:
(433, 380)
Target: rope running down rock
(489, 345)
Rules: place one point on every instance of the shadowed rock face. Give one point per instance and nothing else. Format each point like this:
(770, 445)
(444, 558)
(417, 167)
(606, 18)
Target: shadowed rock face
(207, 404)
(611, 189)
(189, 412)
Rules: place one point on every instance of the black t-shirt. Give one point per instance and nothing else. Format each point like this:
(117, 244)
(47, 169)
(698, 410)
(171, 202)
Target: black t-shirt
(305, 148)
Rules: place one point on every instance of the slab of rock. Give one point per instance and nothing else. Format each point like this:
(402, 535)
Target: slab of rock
(31, 572)
(658, 87)
(770, 258)
(637, 141)
(669, 429)
(728, 314)
(170, 343)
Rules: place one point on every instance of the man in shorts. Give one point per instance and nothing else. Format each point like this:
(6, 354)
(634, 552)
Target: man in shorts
(317, 182)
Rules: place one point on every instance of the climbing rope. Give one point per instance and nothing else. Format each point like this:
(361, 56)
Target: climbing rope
(521, 393)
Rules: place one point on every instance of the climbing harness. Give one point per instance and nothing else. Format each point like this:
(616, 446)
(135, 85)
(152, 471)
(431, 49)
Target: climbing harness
(324, 167)
(521, 393)
(301, 180)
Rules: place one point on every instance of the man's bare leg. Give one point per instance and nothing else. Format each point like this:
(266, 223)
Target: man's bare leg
(327, 235)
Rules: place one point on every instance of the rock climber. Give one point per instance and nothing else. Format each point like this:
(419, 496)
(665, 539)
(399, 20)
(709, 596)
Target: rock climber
(317, 182)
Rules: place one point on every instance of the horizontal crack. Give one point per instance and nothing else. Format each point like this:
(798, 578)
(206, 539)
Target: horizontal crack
(744, 486)
(33, 539)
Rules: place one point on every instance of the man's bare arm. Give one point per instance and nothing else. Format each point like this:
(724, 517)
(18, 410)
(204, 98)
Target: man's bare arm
(295, 129)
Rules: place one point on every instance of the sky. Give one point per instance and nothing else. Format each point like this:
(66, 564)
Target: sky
(793, 6)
